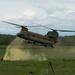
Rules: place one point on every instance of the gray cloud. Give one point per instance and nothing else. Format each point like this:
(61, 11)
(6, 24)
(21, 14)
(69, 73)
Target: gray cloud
(61, 14)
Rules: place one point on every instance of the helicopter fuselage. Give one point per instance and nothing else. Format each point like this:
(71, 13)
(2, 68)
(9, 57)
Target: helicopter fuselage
(47, 40)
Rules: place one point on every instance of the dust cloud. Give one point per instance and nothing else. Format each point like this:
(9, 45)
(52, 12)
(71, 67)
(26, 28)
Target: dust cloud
(19, 50)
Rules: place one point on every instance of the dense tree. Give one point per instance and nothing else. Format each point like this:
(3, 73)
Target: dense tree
(6, 39)
(62, 41)
(66, 41)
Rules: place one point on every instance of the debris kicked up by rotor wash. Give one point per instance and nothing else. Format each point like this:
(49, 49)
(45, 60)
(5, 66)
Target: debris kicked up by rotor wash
(18, 50)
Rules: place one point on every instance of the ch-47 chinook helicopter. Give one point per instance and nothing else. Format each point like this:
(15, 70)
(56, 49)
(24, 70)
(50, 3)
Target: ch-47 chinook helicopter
(47, 40)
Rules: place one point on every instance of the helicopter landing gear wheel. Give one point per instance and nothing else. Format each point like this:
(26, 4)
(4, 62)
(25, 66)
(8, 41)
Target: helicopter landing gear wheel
(52, 46)
(45, 45)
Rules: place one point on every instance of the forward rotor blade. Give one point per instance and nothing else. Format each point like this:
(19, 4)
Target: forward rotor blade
(65, 30)
(31, 26)
(12, 23)
(18, 24)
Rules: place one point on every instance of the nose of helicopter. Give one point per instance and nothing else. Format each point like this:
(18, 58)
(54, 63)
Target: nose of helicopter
(19, 35)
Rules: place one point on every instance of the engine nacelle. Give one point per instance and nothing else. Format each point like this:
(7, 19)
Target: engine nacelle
(53, 35)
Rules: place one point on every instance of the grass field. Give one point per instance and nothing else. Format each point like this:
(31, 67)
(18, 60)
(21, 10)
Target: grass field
(62, 59)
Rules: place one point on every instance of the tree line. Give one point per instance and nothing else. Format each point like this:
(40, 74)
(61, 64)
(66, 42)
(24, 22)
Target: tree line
(62, 41)
(66, 41)
(6, 39)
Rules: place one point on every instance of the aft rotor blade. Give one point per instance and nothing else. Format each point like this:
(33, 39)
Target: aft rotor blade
(43, 26)
(54, 29)
(65, 30)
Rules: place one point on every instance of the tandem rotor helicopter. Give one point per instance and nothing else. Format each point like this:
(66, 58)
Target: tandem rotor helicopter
(47, 40)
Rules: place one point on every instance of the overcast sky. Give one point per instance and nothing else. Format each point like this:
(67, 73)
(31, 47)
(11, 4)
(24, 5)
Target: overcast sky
(59, 14)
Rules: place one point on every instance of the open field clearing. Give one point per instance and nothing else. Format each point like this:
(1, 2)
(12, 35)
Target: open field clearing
(62, 59)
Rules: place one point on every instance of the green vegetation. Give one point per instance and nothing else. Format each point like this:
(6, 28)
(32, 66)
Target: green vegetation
(6, 39)
(38, 68)
(66, 41)
(62, 58)
(62, 66)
